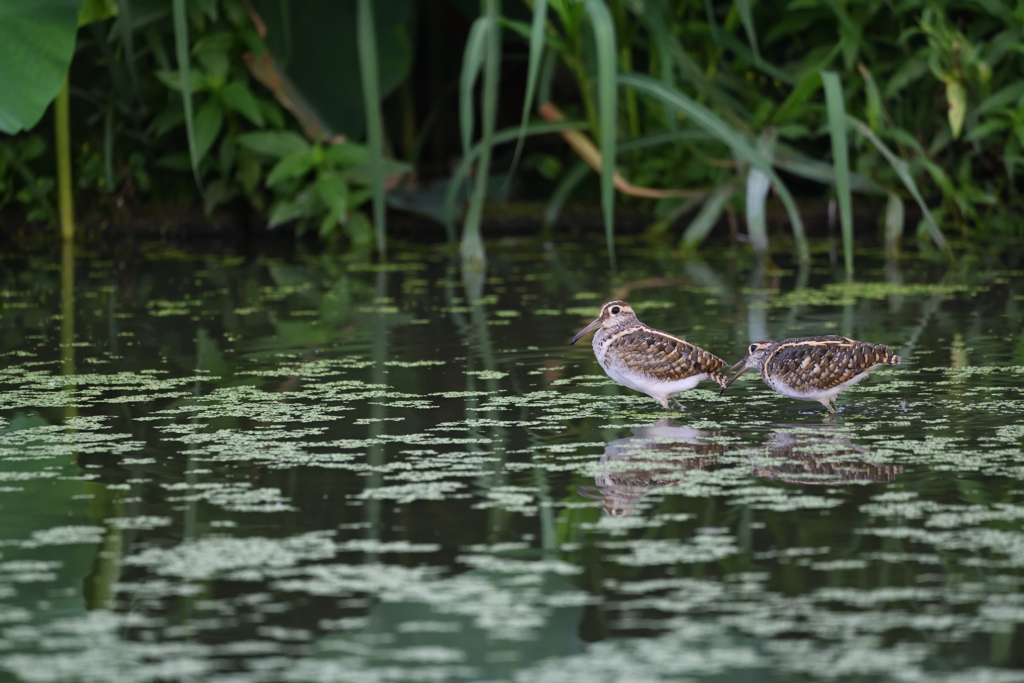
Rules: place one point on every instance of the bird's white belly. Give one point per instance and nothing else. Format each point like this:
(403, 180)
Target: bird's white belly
(815, 394)
(651, 386)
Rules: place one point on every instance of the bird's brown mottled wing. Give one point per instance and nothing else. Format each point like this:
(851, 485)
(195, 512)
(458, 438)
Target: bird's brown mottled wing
(824, 362)
(663, 356)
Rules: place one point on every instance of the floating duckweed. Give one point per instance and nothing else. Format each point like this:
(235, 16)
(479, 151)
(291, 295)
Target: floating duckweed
(487, 374)
(413, 364)
(719, 542)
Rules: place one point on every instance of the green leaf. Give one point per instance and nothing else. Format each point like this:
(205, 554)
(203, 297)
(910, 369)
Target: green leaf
(275, 144)
(249, 171)
(707, 218)
(359, 230)
(218, 192)
(237, 96)
(796, 103)
(799, 164)
(987, 128)
(168, 119)
(712, 123)
(1002, 98)
(346, 154)
(607, 111)
(836, 107)
(172, 79)
(333, 191)
(284, 211)
(873, 107)
(96, 10)
(911, 70)
(37, 40)
(211, 51)
(956, 97)
(327, 225)
(294, 166)
(209, 121)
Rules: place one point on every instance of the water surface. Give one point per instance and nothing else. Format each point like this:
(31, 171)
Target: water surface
(310, 468)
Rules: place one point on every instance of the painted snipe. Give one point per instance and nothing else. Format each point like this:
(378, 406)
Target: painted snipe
(814, 368)
(648, 360)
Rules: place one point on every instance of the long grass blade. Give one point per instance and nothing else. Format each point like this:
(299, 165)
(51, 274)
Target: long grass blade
(607, 112)
(547, 76)
(370, 74)
(712, 123)
(472, 248)
(126, 29)
(794, 161)
(540, 15)
(893, 224)
(181, 51)
(900, 166)
(472, 63)
(758, 186)
(747, 18)
(836, 109)
(500, 137)
(566, 186)
(706, 218)
(666, 138)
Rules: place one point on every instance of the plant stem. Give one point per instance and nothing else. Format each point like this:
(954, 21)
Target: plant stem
(62, 123)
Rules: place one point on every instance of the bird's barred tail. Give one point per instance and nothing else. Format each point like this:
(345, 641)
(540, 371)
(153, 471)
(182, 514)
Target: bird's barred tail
(888, 357)
(721, 380)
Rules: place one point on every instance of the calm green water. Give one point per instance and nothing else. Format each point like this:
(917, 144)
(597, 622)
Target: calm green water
(215, 468)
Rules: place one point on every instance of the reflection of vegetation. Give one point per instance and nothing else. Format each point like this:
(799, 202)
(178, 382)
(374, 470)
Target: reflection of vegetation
(311, 465)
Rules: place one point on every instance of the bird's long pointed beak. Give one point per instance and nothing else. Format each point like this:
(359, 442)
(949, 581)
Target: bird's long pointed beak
(592, 326)
(743, 369)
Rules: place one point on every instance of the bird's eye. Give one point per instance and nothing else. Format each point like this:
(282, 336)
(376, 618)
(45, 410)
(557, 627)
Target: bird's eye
(753, 347)
(615, 310)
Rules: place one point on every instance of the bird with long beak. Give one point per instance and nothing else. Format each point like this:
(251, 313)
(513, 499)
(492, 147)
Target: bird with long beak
(814, 368)
(648, 360)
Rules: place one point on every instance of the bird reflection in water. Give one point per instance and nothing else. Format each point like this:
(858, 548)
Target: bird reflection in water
(663, 453)
(657, 455)
(822, 455)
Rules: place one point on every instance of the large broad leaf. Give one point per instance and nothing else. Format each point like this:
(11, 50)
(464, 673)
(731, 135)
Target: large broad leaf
(37, 40)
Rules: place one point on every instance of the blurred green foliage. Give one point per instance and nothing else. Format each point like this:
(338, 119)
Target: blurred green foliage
(734, 103)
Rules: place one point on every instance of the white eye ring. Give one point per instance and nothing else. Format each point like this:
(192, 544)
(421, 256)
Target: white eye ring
(615, 309)
(753, 347)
